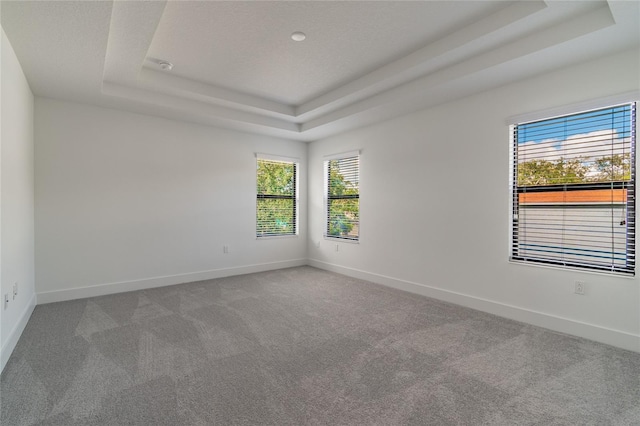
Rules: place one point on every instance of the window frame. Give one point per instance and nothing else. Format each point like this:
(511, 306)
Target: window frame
(295, 197)
(327, 199)
(630, 203)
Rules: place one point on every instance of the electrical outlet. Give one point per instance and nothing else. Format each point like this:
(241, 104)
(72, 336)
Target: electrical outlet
(6, 300)
(225, 249)
(15, 290)
(580, 287)
(337, 247)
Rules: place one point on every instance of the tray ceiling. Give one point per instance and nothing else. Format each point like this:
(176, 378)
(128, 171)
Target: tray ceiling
(236, 66)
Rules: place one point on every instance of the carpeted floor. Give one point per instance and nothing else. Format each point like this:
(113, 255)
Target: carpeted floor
(303, 346)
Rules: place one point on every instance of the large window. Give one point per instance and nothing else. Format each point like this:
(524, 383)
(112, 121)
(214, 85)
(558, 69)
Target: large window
(342, 195)
(574, 190)
(277, 196)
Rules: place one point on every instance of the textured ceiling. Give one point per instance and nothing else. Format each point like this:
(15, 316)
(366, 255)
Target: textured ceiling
(247, 46)
(236, 67)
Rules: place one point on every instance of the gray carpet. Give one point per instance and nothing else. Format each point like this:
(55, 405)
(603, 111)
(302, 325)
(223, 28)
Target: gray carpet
(303, 346)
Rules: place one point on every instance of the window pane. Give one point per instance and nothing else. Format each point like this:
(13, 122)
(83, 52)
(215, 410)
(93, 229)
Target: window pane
(594, 146)
(344, 218)
(343, 177)
(276, 178)
(276, 217)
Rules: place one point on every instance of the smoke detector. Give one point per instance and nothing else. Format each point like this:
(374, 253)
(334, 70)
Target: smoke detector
(165, 65)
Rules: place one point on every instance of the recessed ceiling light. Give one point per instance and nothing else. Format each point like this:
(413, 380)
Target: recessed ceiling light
(165, 65)
(298, 36)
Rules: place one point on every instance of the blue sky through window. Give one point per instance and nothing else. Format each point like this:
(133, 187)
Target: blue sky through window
(616, 118)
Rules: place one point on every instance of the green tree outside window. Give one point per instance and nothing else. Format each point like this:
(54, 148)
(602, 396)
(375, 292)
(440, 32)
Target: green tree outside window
(343, 198)
(276, 202)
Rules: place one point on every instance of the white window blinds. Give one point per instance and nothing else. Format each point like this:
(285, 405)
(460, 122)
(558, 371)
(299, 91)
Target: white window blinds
(343, 198)
(574, 190)
(277, 199)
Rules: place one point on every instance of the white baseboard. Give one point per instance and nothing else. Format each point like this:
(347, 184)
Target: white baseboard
(124, 286)
(15, 334)
(605, 335)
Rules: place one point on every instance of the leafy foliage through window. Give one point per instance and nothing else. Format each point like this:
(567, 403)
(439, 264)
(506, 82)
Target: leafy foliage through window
(343, 198)
(276, 198)
(574, 190)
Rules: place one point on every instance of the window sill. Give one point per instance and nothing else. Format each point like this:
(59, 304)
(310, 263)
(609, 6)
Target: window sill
(572, 269)
(276, 237)
(342, 240)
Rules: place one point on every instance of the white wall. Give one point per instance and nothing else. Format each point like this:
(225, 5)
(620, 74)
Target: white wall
(16, 200)
(127, 201)
(435, 208)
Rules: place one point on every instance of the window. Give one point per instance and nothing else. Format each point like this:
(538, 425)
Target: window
(277, 196)
(342, 195)
(573, 189)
